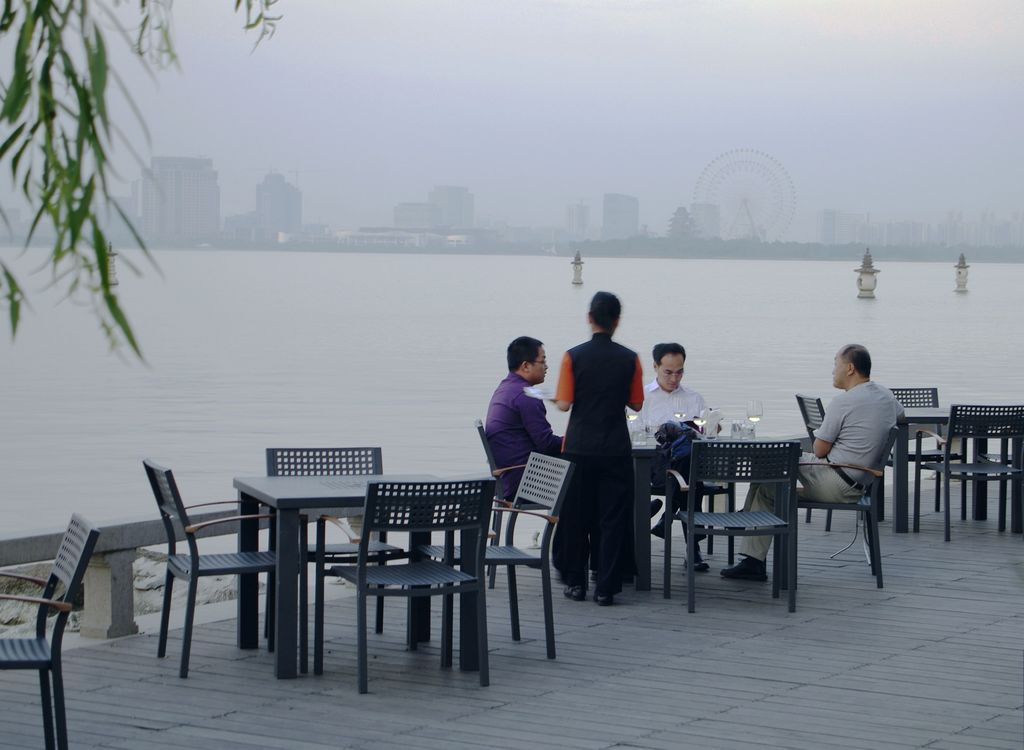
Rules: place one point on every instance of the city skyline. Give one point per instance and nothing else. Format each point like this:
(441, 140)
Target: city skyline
(901, 111)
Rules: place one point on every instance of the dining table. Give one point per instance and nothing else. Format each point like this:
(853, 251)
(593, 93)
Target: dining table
(292, 498)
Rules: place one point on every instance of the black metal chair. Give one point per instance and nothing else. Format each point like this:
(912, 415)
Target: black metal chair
(928, 398)
(37, 653)
(193, 566)
(543, 486)
(867, 508)
(499, 494)
(328, 462)
(727, 461)
(421, 508)
(812, 412)
(969, 422)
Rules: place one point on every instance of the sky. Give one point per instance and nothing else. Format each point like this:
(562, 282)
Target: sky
(903, 109)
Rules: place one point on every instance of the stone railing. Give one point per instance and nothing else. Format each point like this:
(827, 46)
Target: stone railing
(109, 610)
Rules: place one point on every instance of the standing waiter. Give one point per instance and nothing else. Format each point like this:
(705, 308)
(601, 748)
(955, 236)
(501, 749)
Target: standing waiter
(598, 379)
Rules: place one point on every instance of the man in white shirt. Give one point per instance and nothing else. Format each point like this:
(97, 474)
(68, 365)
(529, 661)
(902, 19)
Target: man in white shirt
(666, 396)
(666, 399)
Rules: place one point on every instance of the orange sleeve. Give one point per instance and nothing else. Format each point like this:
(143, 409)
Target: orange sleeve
(566, 390)
(636, 388)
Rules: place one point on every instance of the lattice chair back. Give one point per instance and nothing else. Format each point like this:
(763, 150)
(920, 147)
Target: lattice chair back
(172, 509)
(68, 571)
(544, 481)
(743, 461)
(323, 462)
(978, 421)
(917, 398)
(811, 411)
(487, 445)
(427, 506)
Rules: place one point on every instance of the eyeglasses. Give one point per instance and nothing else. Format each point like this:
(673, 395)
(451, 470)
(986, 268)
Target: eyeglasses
(539, 362)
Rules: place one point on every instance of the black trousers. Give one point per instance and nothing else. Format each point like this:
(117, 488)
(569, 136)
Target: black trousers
(596, 523)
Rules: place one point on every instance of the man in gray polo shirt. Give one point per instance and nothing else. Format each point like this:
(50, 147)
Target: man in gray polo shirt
(854, 431)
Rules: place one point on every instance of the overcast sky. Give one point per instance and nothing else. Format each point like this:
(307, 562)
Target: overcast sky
(900, 108)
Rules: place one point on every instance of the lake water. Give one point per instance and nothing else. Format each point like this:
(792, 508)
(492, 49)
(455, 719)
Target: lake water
(246, 350)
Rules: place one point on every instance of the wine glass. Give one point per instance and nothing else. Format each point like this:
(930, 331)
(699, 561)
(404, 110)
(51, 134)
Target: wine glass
(679, 416)
(632, 424)
(755, 410)
(701, 419)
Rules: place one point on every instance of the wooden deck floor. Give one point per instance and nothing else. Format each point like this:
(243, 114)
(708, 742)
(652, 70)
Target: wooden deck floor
(934, 660)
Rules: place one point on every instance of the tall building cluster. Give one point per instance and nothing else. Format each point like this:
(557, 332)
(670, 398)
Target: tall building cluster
(837, 227)
(180, 201)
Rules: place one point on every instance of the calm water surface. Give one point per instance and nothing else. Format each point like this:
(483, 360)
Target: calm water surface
(246, 350)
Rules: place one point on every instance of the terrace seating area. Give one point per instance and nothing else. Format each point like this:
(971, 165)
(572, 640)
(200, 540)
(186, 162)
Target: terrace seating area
(932, 660)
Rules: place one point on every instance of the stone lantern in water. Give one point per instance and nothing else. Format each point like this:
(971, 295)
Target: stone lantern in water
(577, 270)
(866, 281)
(961, 274)
(112, 265)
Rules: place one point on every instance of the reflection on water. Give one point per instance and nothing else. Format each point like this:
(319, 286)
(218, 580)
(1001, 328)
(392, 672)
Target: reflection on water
(246, 350)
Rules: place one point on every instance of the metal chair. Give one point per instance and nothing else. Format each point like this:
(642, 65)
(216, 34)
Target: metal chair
(979, 423)
(910, 398)
(325, 462)
(499, 494)
(421, 508)
(812, 412)
(543, 486)
(193, 566)
(725, 461)
(37, 653)
(867, 508)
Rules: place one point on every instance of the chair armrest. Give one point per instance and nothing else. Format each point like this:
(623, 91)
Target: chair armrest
(856, 466)
(929, 433)
(55, 604)
(346, 530)
(32, 579)
(505, 469)
(679, 479)
(525, 512)
(192, 529)
(215, 502)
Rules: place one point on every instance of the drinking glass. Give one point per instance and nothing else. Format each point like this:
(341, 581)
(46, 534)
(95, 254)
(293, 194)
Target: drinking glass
(755, 410)
(701, 419)
(635, 429)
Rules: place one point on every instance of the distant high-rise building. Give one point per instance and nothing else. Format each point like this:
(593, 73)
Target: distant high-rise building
(621, 217)
(707, 220)
(454, 205)
(278, 207)
(180, 200)
(842, 228)
(577, 220)
(417, 216)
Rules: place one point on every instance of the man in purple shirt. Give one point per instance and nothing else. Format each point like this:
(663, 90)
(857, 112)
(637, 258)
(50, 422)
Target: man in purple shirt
(517, 424)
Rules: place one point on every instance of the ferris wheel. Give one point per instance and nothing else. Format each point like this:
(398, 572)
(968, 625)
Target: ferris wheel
(753, 193)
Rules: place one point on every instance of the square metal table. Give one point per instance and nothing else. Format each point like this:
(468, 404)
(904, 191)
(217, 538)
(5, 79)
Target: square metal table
(900, 461)
(289, 496)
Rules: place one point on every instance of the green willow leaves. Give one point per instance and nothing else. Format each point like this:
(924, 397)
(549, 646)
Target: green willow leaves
(56, 135)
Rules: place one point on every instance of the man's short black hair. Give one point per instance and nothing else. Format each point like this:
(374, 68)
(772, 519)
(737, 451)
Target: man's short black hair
(605, 309)
(660, 350)
(522, 349)
(857, 356)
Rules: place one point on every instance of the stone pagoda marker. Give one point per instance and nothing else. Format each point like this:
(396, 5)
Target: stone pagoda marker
(577, 270)
(961, 274)
(866, 281)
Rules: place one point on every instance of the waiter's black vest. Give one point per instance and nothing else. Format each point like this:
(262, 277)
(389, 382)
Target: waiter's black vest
(603, 372)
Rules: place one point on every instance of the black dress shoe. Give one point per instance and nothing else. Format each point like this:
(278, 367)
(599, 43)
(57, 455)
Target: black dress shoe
(659, 529)
(747, 569)
(604, 600)
(699, 564)
(576, 593)
(655, 506)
